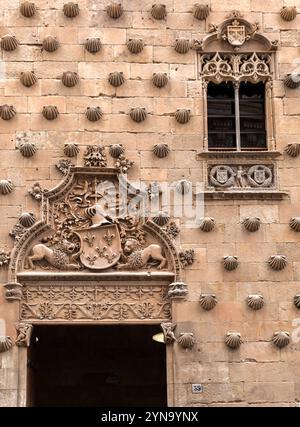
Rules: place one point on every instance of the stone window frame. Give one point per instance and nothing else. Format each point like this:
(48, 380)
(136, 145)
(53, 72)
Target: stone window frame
(224, 66)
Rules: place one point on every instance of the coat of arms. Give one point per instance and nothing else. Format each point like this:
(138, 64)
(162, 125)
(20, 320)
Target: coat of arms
(236, 34)
(260, 176)
(222, 176)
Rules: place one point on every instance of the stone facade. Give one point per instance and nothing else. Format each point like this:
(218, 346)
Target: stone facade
(255, 373)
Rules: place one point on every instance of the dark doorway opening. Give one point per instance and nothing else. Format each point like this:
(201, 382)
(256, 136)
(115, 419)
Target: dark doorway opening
(96, 366)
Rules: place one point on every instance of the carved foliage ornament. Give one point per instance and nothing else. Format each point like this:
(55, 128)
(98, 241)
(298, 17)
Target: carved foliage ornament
(224, 66)
(117, 303)
(4, 258)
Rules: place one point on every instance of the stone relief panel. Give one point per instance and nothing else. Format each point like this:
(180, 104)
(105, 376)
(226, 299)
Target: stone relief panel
(241, 176)
(111, 302)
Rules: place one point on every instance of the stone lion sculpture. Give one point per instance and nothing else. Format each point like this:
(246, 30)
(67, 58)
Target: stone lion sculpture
(137, 258)
(57, 257)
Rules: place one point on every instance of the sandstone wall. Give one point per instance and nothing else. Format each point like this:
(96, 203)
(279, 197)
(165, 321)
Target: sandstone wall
(258, 373)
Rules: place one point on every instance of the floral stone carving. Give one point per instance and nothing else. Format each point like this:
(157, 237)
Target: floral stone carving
(187, 257)
(24, 332)
(95, 302)
(17, 231)
(123, 164)
(172, 230)
(63, 166)
(95, 156)
(36, 191)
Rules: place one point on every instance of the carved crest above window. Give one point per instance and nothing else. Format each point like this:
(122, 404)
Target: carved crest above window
(235, 33)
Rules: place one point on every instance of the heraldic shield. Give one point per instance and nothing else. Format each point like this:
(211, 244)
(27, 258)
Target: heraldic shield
(100, 246)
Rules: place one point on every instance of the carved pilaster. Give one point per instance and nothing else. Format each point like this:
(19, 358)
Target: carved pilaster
(13, 291)
(177, 290)
(24, 331)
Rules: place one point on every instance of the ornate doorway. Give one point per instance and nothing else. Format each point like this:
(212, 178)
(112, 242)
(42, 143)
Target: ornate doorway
(96, 365)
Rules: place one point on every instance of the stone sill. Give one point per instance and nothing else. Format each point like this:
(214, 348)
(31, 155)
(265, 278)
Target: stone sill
(95, 276)
(257, 194)
(238, 154)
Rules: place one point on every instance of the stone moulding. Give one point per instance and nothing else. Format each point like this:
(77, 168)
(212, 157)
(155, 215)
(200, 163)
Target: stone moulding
(6, 344)
(281, 339)
(186, 340)
(233, 340)
(208, 301)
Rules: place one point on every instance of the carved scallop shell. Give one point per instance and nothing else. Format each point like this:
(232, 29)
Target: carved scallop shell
(93, 45)
(186, 340)
(71, 149)
(6, 186)
(138, 114)
(295, 224)
(71, 9)
(50, 44)
(293, 149)
(207, 224)
(28, 78)
(161, 218)
(288, 13)
(183, 115)
(114, 10)
(27, 219)
(5, 344)
(27, 9)
(201, 11)
(159, 11)
(70, 79)
(7, 112)
(27, 149)
(297, 300)
(183, 186)
(182, 45)
(233, 340)
(161, 150)
(160, 79)
(251, 224)
(255, 302)
(278, 262)
(50, 112)
(208, 301)
(115, 150)
(93, 114)
(281, 339)
(9, 43)
(135, 45)
(230, 262)
(116, 78)
(292, 81)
